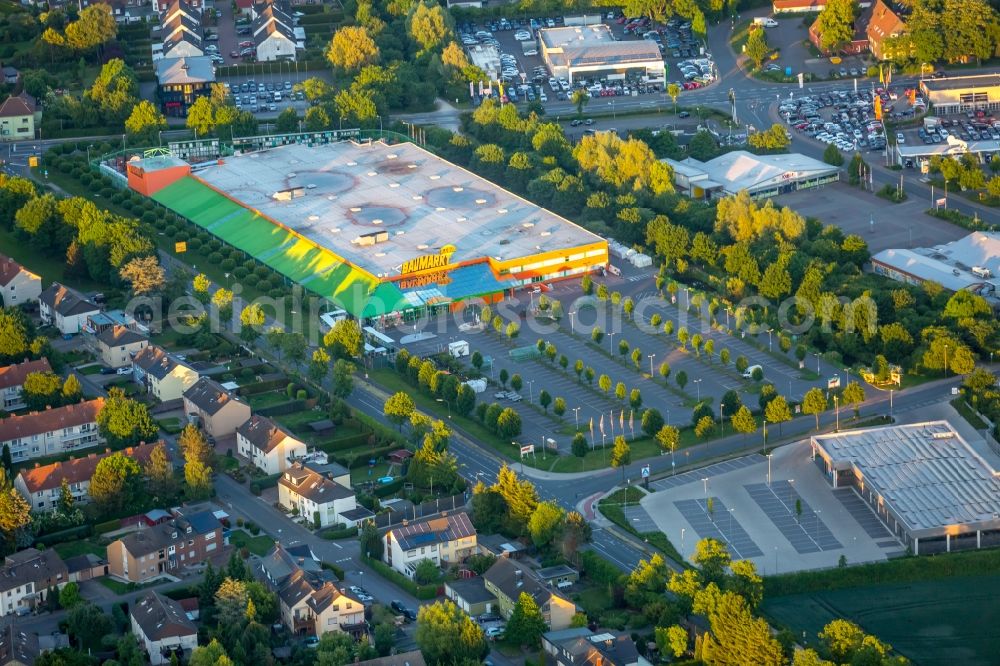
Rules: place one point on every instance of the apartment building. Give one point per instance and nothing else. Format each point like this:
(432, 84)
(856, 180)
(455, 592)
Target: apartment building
(53, 431)
(507, 579)
(444, 540)
(219, 412)
(12, 382)
(27, 576)
(118, 344)
(162, 628)
(267, 445)
(65, 308)
(316, 497)
(165, 548)
(41, 485)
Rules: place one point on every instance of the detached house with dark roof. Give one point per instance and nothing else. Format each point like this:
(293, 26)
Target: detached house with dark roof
(267, 445)
(162, 627)
(41, 486)
(26, 577)
(582, 647)
(53, 431)
(163, 375)
(118, 344)
(507, 579)
(444, 540)
(219, 412)
(165, 548)
(18, 115)
(315, 497)
(18, 284)
(310, 600)
(12, 382)
(65, 308)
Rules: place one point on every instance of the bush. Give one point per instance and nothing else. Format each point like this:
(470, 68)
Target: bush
(252, 528)
(62, 536)
(422, 592)
(107, 526)
(301, 394)
(335, 533)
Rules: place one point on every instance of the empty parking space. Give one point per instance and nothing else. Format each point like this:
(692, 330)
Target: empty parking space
(803, 529)
(706, 472)
(720, 524)
(860, 511)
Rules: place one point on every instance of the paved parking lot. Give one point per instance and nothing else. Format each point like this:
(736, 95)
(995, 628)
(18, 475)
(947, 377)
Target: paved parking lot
(869, 522)
(788, 36)
(768, 525)
(706, 472)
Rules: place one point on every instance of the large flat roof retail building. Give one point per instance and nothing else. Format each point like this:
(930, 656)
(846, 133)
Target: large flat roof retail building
(960, 94)
(923, 480)
(377, 229)
(576, 51)
(760, 175)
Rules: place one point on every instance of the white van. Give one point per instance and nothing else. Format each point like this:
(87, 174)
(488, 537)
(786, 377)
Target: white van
(564, 584)
(748, 373)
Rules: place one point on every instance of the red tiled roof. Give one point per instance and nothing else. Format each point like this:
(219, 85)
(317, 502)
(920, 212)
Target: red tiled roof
(77, 470)
(884, 23)
(9, 269)
(18, 105)
(37, 423)
(14, 375)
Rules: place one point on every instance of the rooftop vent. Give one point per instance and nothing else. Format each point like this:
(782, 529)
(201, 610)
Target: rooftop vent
(546, 233)
(435, 177)
(528, 225)
(439, 209)
(291, 175)
(457, 188)
(314, 217)
(943, 435)
(392, 156)
(417, 197)
(461, 219)
(422, 246)
(373, 173)
(393, 184)
(311, 186)
(502, 211)
(355, 209)
(480, 201)
(352, 163)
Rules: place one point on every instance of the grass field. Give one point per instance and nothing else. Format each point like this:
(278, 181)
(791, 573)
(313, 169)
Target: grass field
(948, 621)
(69, 549)
(258, 545)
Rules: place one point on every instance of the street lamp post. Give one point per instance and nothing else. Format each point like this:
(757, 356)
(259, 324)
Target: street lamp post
(704, 483)
(572, 329)
(722, 418)
(611, 342)
(531, 393)
(651, 357)
(817, 363)
(946, 360)
(836, 409)
(576, 414)
(765, 437)
(770, 347)
(697, 385)
(769, 455)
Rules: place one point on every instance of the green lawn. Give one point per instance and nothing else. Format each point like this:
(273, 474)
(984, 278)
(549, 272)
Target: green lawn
(963, 408)
(258, 545)
(50, 268)
(94, 369)
(116, 586)
(73, 548)
(268, 399)
(360, 474)
(170, 424)
(949, 621)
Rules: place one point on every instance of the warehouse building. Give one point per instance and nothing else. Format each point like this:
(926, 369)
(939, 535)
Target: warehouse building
(761, 176)
(589, 50)
(960, 94)
(928, 486)
(385, 232)
(971, 263)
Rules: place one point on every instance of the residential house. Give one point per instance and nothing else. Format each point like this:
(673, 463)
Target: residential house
(858, 43)
(582, 647)
(12, 381)
(53, 431)
(41, 486)
(101, 321)
(86, 567)
(163, 6)
(315, 497)
(180, 32)
(471, 595)
(117, 345)
(27, 576)
(411, 658)
(18, 115)
(507, 579)
(19, 285)
(219, 412)
(162, 628)
(152, 552)
(273, 33)
(267, 445)
(172, 9)
(181, 81)
(445, 539)
(309, 599)
(65, 308)
(883, 27)
(10, 75)
(163, 375)
(559, 573)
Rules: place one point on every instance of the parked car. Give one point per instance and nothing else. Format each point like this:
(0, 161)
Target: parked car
(494, 633)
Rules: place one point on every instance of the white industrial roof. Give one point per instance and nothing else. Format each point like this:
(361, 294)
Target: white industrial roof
(948, 264)
(594, 45)
(929, 477)
(740, 170)
(423, 203)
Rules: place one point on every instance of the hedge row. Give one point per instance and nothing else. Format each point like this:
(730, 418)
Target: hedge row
(107, 526)
(389, 488)
(62, 536)
(290, 407)
(263, 387)
(334, 534)
(422, 592)
(347, 442)
(361, 460)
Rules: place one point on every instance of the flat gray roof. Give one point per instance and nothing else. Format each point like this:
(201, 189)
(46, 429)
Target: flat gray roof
(949, 264)
(422, 201)
(963, 82)
(741, 170)
(594, 45)
(929, 477)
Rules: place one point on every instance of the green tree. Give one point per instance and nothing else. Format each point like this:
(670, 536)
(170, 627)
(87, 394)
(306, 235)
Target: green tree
(652, 421)
(251, 322)
(673, 92)
(342, 379)
(756, 47)
(41, 390)
(836, 24)
(371, 541)
(544, 399)
(115, 90)
(116, 482)
(738, 637)
(508, 424)
(664, 370)
(319, 366)
(682, 379)
(351, 48)
(621, 454)
(72, 391)
(545, 523)
(88, 624)
(579, 100)
(446, 635)
(743, 421)
(344, 339)
(853, 396)
(620, 390)
(201, 117)
(159, 472)
(69, 596)
(833, 156)
(814, 402)
(516, 382)
(429, 25)
(526, 623)
(672, 640)
(125, 422)
(197, 479)
(212, 654)
(287, 121)
(777, 411)
(15, 512)
(145, 122)
(559, 406)
(580, 447)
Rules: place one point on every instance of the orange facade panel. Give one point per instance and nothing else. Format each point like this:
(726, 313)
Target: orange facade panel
(150, 182)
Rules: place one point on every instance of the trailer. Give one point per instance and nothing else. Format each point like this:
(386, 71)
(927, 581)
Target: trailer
(458, 348)
(477, 385)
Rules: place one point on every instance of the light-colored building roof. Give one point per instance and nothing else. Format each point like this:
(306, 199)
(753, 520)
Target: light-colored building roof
(594, 45)
(31, 565)
(411, 658)
(157, 362)
(963, 83)
(742, 170)
(344, 191)
(929, 477)
(37, 423)
(183, 71)
(14, 375)
(950, 264)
